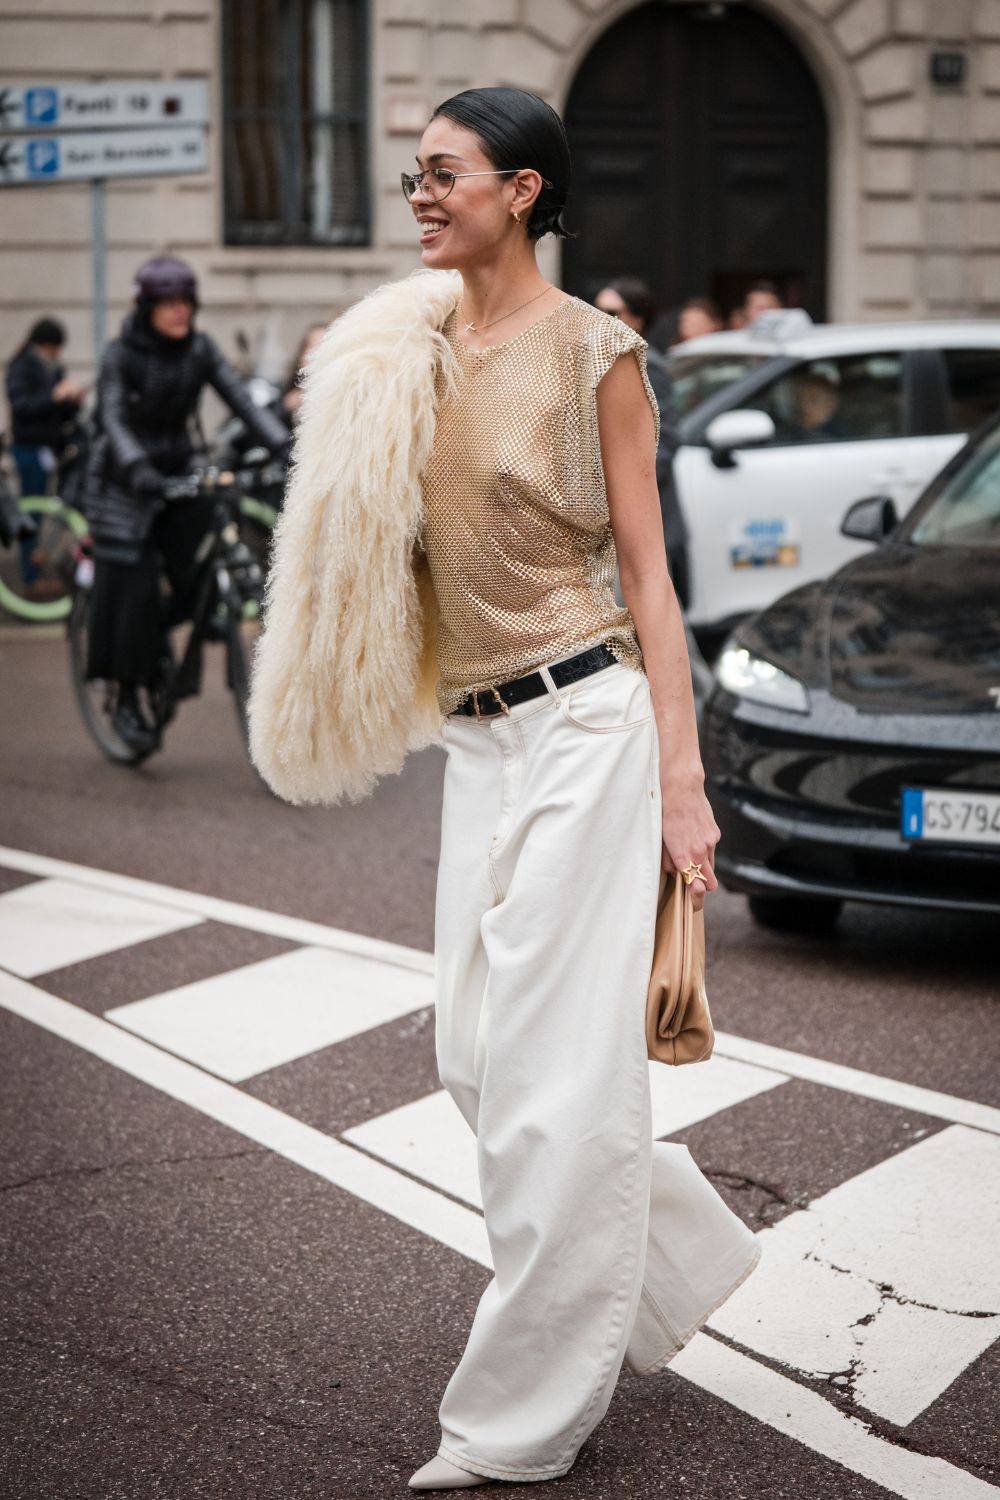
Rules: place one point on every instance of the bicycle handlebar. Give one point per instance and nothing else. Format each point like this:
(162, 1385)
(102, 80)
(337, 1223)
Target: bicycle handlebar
(204, 483)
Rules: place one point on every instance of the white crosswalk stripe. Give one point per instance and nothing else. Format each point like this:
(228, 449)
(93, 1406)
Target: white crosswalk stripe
(52, 923)
(886, 1285)
(268, 1013)
(430, 1139)
(892, 1278)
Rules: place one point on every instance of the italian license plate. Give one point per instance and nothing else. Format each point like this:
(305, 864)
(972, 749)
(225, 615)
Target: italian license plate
(951, 817)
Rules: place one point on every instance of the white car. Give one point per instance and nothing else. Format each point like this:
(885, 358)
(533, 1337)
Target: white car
(776, 431)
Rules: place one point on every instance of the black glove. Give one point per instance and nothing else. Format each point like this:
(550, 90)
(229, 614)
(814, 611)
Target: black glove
(145, 478)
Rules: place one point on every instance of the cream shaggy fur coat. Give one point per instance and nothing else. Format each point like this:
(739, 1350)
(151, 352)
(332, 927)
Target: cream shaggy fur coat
(345, 673)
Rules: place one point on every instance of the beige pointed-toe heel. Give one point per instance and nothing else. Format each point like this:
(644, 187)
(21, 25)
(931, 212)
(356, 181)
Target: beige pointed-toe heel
(439, 1474)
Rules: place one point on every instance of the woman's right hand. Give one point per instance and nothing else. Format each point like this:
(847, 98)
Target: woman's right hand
(690, 834)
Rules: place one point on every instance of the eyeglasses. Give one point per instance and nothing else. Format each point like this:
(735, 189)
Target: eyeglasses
(438, 182)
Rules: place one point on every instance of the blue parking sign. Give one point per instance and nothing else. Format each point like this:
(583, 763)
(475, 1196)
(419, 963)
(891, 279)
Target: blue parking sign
(42, 158)
(41, 106)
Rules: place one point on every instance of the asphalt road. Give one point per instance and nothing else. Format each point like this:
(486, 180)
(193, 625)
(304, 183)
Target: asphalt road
(191, 1311)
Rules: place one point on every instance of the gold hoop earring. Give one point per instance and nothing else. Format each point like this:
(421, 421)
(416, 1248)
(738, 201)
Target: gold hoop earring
(517, 218)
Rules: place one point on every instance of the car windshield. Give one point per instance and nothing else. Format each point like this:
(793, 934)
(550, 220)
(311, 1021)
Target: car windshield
(695, 377)
(965, 512)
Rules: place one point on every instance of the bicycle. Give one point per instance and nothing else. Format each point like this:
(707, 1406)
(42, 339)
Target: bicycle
(52, 551)
(227, 592)
(58, 550)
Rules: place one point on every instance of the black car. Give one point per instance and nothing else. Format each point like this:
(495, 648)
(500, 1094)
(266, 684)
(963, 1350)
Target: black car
(852, 736)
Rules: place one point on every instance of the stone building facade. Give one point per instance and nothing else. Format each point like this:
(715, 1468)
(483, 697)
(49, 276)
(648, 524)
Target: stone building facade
(909, 149)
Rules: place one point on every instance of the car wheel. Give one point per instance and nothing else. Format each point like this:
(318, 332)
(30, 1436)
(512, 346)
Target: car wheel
(817, 914)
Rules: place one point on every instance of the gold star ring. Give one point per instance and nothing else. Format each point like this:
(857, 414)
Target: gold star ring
(692, 872)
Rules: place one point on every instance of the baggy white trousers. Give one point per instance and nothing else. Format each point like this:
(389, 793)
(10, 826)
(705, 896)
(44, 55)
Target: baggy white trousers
(606, 1247)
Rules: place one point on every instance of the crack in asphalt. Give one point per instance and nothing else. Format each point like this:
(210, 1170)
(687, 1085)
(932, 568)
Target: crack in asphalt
(888, 1293)
(743, 1182)
(115, 1166)
(844, 1380)
(836, 1386)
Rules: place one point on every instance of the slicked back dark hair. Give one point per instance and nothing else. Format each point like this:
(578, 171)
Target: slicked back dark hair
(517, 131)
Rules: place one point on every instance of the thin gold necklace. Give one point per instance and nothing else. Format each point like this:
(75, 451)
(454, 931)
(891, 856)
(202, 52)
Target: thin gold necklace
(481, 327)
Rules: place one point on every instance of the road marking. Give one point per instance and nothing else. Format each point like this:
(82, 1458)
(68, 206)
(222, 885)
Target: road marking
(410, 1202)
(265, 1014)
(52, 923)
(891, 1279)
(682, 1096)
(727, 1044)
(868, 1085)
(805, 1416)
(750, 1387)
(214, 909)
(429, 1137)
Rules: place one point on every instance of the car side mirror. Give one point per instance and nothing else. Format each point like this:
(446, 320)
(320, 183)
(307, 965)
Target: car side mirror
(737, 429)
(870, 519)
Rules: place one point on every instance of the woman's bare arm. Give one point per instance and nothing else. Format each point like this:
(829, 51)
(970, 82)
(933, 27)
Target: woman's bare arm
(628, 453)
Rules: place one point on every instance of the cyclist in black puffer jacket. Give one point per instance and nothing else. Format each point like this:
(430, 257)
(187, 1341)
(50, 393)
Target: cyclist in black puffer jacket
(150, 382)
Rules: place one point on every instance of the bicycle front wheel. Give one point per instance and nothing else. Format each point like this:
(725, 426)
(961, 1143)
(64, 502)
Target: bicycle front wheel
(96, 698)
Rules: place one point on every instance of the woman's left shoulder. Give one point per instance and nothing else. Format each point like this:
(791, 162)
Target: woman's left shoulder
(598, 332)
(595, 339)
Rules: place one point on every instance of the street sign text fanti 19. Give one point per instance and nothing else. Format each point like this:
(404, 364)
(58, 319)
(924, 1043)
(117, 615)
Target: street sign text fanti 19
(89, 106)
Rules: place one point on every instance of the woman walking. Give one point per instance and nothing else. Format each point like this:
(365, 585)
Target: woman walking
(475, 453)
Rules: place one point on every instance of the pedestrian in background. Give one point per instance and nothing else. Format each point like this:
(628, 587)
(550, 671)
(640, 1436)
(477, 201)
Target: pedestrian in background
(475, 454)
(631, 301)
(762, 297)
(44, 405)
(698, 316)
(44, 415)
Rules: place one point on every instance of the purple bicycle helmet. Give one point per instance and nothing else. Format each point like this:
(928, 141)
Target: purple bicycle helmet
(165, 276)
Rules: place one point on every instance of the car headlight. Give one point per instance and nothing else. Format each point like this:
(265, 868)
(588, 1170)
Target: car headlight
(749, 676)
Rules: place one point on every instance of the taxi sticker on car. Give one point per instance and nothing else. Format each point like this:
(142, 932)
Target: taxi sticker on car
(950, 815)
(764, 542)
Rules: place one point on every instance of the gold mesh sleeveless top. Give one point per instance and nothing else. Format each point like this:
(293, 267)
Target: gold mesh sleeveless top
(516, 526)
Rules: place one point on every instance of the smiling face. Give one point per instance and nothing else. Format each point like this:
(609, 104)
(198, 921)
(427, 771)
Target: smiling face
(477, 216)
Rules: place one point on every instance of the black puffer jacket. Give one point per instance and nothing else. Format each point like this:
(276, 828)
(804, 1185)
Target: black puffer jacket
(147, 396)
(35, 419)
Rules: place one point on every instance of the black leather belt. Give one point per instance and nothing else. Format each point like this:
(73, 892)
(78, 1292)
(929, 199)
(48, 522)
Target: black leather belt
(484, 702)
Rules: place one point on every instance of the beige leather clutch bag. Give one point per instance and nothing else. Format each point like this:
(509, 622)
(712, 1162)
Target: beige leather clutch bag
(678, 1023)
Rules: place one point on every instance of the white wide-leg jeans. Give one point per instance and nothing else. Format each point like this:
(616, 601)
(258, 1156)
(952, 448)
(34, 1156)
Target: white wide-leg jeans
(606, 1248)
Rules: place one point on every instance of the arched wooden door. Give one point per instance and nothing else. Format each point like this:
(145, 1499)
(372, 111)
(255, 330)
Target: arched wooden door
(699, 144)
